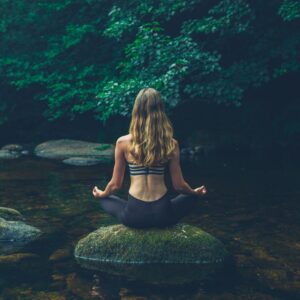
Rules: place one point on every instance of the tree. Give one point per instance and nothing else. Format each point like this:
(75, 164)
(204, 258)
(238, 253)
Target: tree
(88, 55)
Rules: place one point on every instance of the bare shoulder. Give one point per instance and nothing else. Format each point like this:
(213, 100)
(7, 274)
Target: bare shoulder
(123, 141)
(175, 152)
(124, 138)
(176, 144)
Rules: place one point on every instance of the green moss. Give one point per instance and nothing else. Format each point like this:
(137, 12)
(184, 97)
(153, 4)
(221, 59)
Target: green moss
(139, 253)
(104, 159)
(103, 147)
(181, 243)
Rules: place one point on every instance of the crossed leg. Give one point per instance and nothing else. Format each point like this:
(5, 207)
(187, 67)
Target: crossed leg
(182, 205)
(113, 205)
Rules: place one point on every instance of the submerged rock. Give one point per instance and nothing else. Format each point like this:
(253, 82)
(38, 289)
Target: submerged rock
(178, 254)
(80, 287)
(67, 148)
(60, 254)
(16, 258)
(21, 264)
(84, 161)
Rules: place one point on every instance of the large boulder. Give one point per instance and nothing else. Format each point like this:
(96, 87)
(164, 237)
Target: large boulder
(65, 148)
(178, 254)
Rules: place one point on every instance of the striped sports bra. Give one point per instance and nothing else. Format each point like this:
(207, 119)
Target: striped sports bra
(143, 170)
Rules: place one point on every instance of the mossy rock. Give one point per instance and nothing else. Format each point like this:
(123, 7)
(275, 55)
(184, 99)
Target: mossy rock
(178, 254)
(68, 148)
(16, 234)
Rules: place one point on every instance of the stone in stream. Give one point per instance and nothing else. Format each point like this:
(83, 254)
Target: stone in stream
(11, 151)
(175, 255)
(6, 154)
(59, 255)
(66, 148)
(21, 265)
(84, 161)
(14, 233)
(13, 147)
(10, 214)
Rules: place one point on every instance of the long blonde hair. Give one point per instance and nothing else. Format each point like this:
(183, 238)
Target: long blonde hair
(151, 130)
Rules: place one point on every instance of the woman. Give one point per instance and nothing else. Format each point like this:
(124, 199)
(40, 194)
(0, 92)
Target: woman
(147, 149)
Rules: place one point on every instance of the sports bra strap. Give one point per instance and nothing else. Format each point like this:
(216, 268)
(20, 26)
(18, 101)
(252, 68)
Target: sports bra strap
(145, 170)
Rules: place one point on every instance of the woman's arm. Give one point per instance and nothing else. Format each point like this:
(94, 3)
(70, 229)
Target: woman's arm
(178, 182)
(118, 173)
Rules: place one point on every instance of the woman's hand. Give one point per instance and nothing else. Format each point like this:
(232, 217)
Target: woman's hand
(200, 190)
(97, 193)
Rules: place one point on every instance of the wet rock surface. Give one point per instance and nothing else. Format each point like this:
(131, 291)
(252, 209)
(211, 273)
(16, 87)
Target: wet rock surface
(84, 161)
(64, 149)
(12, 147)
(12, 151)
(60, 254)
(10, 214)
(14, 233)
(170, 255)
(17, 231)
(6, 154)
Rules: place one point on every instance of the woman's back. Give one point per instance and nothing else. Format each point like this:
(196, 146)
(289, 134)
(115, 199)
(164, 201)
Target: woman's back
(146, 187)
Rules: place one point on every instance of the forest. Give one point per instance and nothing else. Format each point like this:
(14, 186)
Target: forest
(73, 68)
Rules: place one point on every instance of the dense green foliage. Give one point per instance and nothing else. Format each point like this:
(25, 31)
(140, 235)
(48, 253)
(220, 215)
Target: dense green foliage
(95, 55)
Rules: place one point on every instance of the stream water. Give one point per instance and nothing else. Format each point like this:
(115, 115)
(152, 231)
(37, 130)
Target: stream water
(252, 206)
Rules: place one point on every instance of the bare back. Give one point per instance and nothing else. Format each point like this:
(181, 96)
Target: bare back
(149, 187)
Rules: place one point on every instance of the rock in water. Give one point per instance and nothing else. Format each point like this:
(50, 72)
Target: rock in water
(10, 214)
(84, 161)
(13, 147)
(67, 148)
(6, 154)
(179, 254)
(17, 231)
(14, 233)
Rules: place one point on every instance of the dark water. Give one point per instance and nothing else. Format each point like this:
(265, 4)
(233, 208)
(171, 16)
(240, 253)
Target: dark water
(252, 206)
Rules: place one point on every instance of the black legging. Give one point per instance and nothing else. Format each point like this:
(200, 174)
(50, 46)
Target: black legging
(136, 213)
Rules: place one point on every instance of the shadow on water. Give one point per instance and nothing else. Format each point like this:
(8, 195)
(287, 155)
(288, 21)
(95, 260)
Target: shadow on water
(252, 206)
